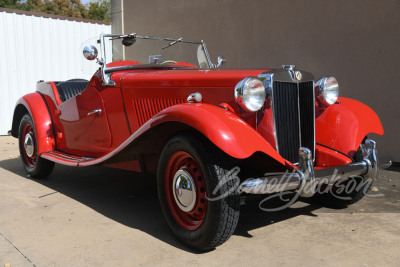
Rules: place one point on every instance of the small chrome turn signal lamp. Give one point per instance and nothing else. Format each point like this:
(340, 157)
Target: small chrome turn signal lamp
(327, 91)
(195, 98)
(250, 94)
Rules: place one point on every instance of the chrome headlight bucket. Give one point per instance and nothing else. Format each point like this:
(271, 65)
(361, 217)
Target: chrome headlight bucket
(327, 91)
(250, 94)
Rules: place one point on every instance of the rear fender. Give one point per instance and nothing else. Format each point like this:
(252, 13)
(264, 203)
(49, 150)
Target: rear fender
(343, 126)
(35, 105)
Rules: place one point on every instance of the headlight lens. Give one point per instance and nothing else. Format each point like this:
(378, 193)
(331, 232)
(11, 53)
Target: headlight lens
(327, 91)
(250, 94)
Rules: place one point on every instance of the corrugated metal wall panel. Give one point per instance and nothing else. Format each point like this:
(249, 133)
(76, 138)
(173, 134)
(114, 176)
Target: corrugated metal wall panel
(36, 48)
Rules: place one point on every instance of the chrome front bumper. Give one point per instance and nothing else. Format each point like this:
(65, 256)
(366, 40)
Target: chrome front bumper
(305, 180)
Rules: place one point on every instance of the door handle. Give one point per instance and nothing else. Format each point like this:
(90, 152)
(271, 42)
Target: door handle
(98, 111)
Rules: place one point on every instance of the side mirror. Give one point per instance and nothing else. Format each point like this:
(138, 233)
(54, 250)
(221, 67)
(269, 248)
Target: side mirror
(221, 61)
(90, 52)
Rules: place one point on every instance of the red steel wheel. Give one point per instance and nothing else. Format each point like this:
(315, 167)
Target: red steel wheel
(198, 203)
(185, 190)
(34, 165)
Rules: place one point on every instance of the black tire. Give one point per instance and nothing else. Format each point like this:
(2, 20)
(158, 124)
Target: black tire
(343, 194)
(34, 165)
(221, 215)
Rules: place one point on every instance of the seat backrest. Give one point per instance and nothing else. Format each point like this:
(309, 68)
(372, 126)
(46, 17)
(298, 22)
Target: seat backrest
(69, 89)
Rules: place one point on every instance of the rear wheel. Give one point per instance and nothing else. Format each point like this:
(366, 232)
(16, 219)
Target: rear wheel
(34, 165)
(198, 203)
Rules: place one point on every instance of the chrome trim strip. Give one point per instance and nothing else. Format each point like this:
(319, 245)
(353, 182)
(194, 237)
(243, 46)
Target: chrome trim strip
(299, 113)
(337, 151)
(268, 79)
(284, 75)
(273, 113)
(64, 156)
(313, 152)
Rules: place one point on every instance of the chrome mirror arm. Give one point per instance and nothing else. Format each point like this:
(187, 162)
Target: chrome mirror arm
(99, 61)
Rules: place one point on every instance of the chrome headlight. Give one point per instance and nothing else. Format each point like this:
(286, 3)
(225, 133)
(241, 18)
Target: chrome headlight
(250, 94)
(327, 91)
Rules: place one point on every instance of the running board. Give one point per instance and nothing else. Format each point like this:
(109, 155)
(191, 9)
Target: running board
(64, 158)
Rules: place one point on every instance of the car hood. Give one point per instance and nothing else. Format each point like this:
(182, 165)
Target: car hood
(189, 78)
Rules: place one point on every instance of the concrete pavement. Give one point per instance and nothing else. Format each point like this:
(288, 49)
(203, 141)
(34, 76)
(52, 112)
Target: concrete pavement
(99, 216)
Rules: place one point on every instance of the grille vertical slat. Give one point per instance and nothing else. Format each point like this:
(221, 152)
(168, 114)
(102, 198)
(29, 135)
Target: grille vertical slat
(307, 117)
(287, 119)
(293, 129)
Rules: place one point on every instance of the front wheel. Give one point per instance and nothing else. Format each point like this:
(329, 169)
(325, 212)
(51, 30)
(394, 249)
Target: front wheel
(34, 165)
(198, 199)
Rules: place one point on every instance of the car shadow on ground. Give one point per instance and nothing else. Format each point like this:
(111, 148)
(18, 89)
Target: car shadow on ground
(131, 199)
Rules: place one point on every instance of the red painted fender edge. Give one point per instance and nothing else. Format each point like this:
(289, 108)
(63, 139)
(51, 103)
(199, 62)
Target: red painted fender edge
(343, 126)
(37, 108)
(223, 128)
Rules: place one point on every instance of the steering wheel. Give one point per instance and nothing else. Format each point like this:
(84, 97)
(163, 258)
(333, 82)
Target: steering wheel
(168, 62)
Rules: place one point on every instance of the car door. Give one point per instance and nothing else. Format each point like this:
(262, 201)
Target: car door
(86, 130)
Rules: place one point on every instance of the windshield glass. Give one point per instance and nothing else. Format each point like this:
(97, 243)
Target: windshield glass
(162, 51)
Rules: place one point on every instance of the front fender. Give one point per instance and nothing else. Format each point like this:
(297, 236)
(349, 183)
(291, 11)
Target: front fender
(35, 105)
(343, 126)
(223, 128)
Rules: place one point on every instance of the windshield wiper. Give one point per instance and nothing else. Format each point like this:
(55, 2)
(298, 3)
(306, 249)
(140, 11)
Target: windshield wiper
(172, 43)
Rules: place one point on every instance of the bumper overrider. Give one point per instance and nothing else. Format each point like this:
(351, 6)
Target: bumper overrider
(306, 180)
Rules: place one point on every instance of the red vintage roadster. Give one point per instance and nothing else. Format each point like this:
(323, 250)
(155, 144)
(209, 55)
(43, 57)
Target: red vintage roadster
(212, 136)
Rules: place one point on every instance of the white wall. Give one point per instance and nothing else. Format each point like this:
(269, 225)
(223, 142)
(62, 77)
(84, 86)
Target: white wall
(36, 48)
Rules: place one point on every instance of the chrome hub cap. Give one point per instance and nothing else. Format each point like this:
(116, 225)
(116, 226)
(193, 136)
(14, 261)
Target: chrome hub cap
(29, 145)
(184, 190)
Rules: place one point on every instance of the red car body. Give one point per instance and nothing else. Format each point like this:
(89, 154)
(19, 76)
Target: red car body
(128, 125)
(144, 99)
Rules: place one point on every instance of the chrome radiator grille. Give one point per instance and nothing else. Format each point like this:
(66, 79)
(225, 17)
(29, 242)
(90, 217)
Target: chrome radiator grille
(293, 108)
(307, 117)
